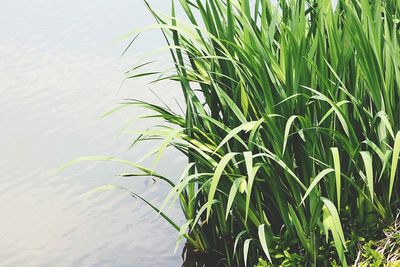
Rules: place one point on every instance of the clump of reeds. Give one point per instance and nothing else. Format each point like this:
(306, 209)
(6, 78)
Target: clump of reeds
(291, 127)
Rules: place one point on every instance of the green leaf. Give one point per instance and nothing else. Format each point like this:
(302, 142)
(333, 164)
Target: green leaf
(243, 127)
(117, 160)
(332, 222)
(385, 121)
(315, 181)
(237, 240)
(232, 193)
(215, 179)
(246, 250)
(366, 156)
(395, 160)
(287, 129)
(263, 241)
(336, 164)
(300, 231)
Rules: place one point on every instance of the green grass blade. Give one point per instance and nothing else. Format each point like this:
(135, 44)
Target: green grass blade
(395, 160)
(315, 181)
(336, 164)
(215, 179)
(366, 156)
(263, 241)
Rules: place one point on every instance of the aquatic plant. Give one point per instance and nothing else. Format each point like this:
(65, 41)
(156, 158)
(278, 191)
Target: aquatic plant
(291, 127)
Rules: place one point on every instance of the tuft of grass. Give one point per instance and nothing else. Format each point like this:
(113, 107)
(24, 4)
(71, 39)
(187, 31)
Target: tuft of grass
(291, 127)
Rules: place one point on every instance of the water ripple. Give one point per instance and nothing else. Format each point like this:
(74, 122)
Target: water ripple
(60, 73)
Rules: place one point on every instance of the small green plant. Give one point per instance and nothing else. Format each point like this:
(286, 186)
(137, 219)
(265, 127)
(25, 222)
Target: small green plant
(382, 252)
(371, 256)
(291, 127)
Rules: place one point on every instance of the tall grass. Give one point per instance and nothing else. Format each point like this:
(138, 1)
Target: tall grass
(291, 127)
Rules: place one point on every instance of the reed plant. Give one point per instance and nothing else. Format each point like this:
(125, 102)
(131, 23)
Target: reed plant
(290, 127)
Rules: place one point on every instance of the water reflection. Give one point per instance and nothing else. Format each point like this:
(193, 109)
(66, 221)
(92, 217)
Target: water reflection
(60, 71)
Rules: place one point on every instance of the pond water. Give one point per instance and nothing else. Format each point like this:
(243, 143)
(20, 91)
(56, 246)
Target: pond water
(60, 70)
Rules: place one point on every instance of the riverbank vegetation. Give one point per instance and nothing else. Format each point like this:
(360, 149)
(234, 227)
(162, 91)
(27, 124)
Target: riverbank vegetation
(290, 127)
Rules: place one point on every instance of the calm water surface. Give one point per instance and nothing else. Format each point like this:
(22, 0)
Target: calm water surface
(60, 69)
